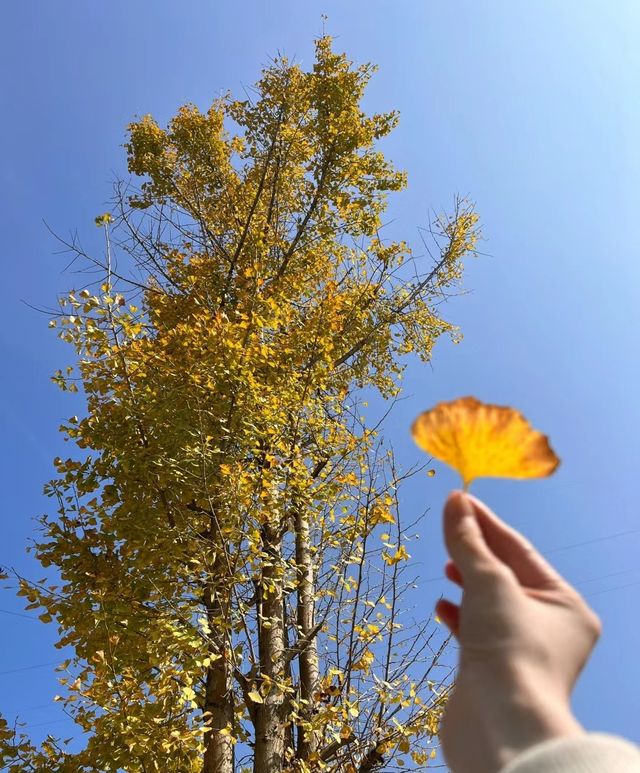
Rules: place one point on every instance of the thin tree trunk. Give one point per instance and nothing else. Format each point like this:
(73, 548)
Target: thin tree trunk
(289, 736)
(218, 704)
(218, 754)
(308, 658)
(270, 720)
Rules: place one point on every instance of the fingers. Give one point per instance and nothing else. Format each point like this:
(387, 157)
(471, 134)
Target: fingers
(452, 573)
(449, 613)
(512, 549)
(464, 538)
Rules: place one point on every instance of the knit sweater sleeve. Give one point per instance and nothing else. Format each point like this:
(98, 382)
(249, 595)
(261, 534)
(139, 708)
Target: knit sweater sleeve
(591, 753)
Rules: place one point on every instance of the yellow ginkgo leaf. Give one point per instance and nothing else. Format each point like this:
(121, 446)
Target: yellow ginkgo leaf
(400, 555)
(481, 440)
(365, 662)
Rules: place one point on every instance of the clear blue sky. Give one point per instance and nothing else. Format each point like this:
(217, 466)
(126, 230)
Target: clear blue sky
(532, 109)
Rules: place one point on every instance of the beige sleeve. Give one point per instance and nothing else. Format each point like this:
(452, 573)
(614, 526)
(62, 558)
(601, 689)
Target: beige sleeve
(591, 753)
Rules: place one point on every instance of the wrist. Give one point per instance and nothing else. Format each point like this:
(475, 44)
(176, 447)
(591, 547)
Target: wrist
(526, 716)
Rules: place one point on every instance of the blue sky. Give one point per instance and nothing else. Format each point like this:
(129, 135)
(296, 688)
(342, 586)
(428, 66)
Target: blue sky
(529, 108)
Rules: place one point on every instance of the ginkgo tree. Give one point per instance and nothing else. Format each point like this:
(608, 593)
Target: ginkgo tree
(227, 554)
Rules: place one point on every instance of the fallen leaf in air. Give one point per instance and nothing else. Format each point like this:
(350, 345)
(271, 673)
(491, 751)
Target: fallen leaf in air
(480, 440)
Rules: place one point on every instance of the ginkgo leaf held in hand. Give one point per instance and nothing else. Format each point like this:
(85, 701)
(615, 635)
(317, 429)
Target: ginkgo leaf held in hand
(480, 440)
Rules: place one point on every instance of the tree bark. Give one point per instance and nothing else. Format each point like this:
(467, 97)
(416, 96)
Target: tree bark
(308, 658)
(218, 753)
(218, 703)
(270, 719)
(371, 760)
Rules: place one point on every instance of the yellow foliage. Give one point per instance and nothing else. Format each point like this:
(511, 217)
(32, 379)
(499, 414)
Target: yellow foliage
(400, 555)
(381, 514)
(222, 485)
(365, 662)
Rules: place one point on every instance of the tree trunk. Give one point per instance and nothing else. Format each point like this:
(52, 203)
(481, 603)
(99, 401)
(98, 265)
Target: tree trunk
(218, 753)
(218, 704)
(371, 761)
(308, 658)
(270, 719)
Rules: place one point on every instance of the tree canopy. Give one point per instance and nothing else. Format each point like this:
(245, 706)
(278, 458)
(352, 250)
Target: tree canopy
(227, 555)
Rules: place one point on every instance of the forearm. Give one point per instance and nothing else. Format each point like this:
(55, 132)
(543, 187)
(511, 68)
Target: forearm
(504, 717)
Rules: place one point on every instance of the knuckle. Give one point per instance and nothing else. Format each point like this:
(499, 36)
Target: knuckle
(492, 573)
(590, 620)
(593, 623)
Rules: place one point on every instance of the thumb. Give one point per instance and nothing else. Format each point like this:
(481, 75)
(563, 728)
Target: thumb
(464, 538)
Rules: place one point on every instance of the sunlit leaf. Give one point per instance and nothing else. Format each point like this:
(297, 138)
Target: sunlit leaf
(480, 440)
(400, 555)
(103, 219)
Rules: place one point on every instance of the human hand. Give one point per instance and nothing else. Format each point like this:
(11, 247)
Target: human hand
(524, 634)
